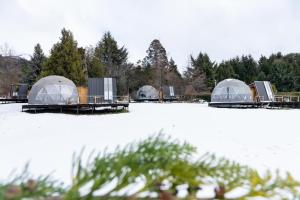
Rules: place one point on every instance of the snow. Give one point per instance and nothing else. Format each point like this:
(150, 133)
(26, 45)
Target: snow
(261, 138)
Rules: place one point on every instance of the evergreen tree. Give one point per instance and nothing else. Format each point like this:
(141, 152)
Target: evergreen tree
(139, 76)
(84, 67)
(245, 68)
(224, 71)
(282, 75)
(157, 60)
(31, 70)
(113, 59)
(173, 67)
(111, 56)
(251, 70)
(201, 73)
(66, 60)
(156, 55)
(94, 65)
(173, 77)
(294, 60)
(264, 67)
(37, 61)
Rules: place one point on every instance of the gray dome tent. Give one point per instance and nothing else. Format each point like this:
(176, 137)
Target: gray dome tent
(55, 90)
(231, 91)
(147, 92)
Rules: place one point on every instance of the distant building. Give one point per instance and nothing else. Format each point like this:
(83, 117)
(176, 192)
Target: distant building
(169, 93)
(18, 91)
(147, 92)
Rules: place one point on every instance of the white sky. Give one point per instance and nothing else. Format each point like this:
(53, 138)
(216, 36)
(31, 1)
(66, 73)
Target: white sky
(221, 28)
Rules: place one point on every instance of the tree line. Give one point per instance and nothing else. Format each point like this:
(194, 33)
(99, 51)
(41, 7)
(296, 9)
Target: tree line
(108, 59)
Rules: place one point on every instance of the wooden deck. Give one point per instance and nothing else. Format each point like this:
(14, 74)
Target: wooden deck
(74, 108)
(157, 100)
(292, 104)
(11, 100)
(295, 105)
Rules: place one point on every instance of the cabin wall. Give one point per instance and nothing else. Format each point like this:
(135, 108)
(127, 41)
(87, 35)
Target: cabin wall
(254, 93)
(97, 93)
(83, 95)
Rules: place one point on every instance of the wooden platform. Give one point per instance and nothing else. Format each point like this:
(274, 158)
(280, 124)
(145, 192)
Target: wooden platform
(291, 104)
(10, 100)
(157, 100)
(295, 105)
(73, 108)
(238, 105)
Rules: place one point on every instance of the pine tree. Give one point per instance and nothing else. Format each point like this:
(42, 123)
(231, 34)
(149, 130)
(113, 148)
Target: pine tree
(173, 77)
(156, 55)
(65, 60)
(37, 61)
(173, 67)
(251, 69)
(95, 67)
(84, 66)
(224, 71)
(245, 68)
(157, 61)
(111, 56)
(201, 73)
(31, 70)
(282, 75)
(114, 60)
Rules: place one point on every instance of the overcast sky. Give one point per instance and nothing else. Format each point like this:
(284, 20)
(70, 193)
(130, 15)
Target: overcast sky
(221, 28)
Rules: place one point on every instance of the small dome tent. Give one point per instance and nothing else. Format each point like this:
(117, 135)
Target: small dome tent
(147, 92)
(231, 91)
(53, 90)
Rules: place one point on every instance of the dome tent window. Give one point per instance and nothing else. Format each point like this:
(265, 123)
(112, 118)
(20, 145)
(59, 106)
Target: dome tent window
(231, 91)
(53, 90)
(147, 92)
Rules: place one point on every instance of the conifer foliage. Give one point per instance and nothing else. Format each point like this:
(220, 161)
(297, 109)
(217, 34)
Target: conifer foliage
(66, 60)
(113, 58)
(201, 74)
(37, 61)
(158, 165)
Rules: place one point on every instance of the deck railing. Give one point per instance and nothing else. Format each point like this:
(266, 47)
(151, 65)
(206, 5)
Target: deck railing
(100, 99)
(279, 98)
(283, 98)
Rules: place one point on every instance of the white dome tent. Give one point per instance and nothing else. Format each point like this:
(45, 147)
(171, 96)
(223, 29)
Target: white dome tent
(232, 91)
(53, 90)
(147, 92)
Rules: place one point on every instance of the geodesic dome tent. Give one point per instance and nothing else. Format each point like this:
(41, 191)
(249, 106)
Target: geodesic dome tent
(231, 91)
(53, 90)
(147, 92)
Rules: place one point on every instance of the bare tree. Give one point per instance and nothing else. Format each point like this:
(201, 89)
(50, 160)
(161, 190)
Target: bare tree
(10, 68)
(6, 50)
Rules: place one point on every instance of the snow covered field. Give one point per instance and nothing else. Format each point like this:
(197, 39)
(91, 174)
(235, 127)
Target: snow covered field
(263, 139)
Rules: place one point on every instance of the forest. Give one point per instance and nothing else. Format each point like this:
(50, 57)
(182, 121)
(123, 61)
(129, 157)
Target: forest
(108, 59)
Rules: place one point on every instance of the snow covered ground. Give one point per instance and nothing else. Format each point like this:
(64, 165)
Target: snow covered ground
(263, 139)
